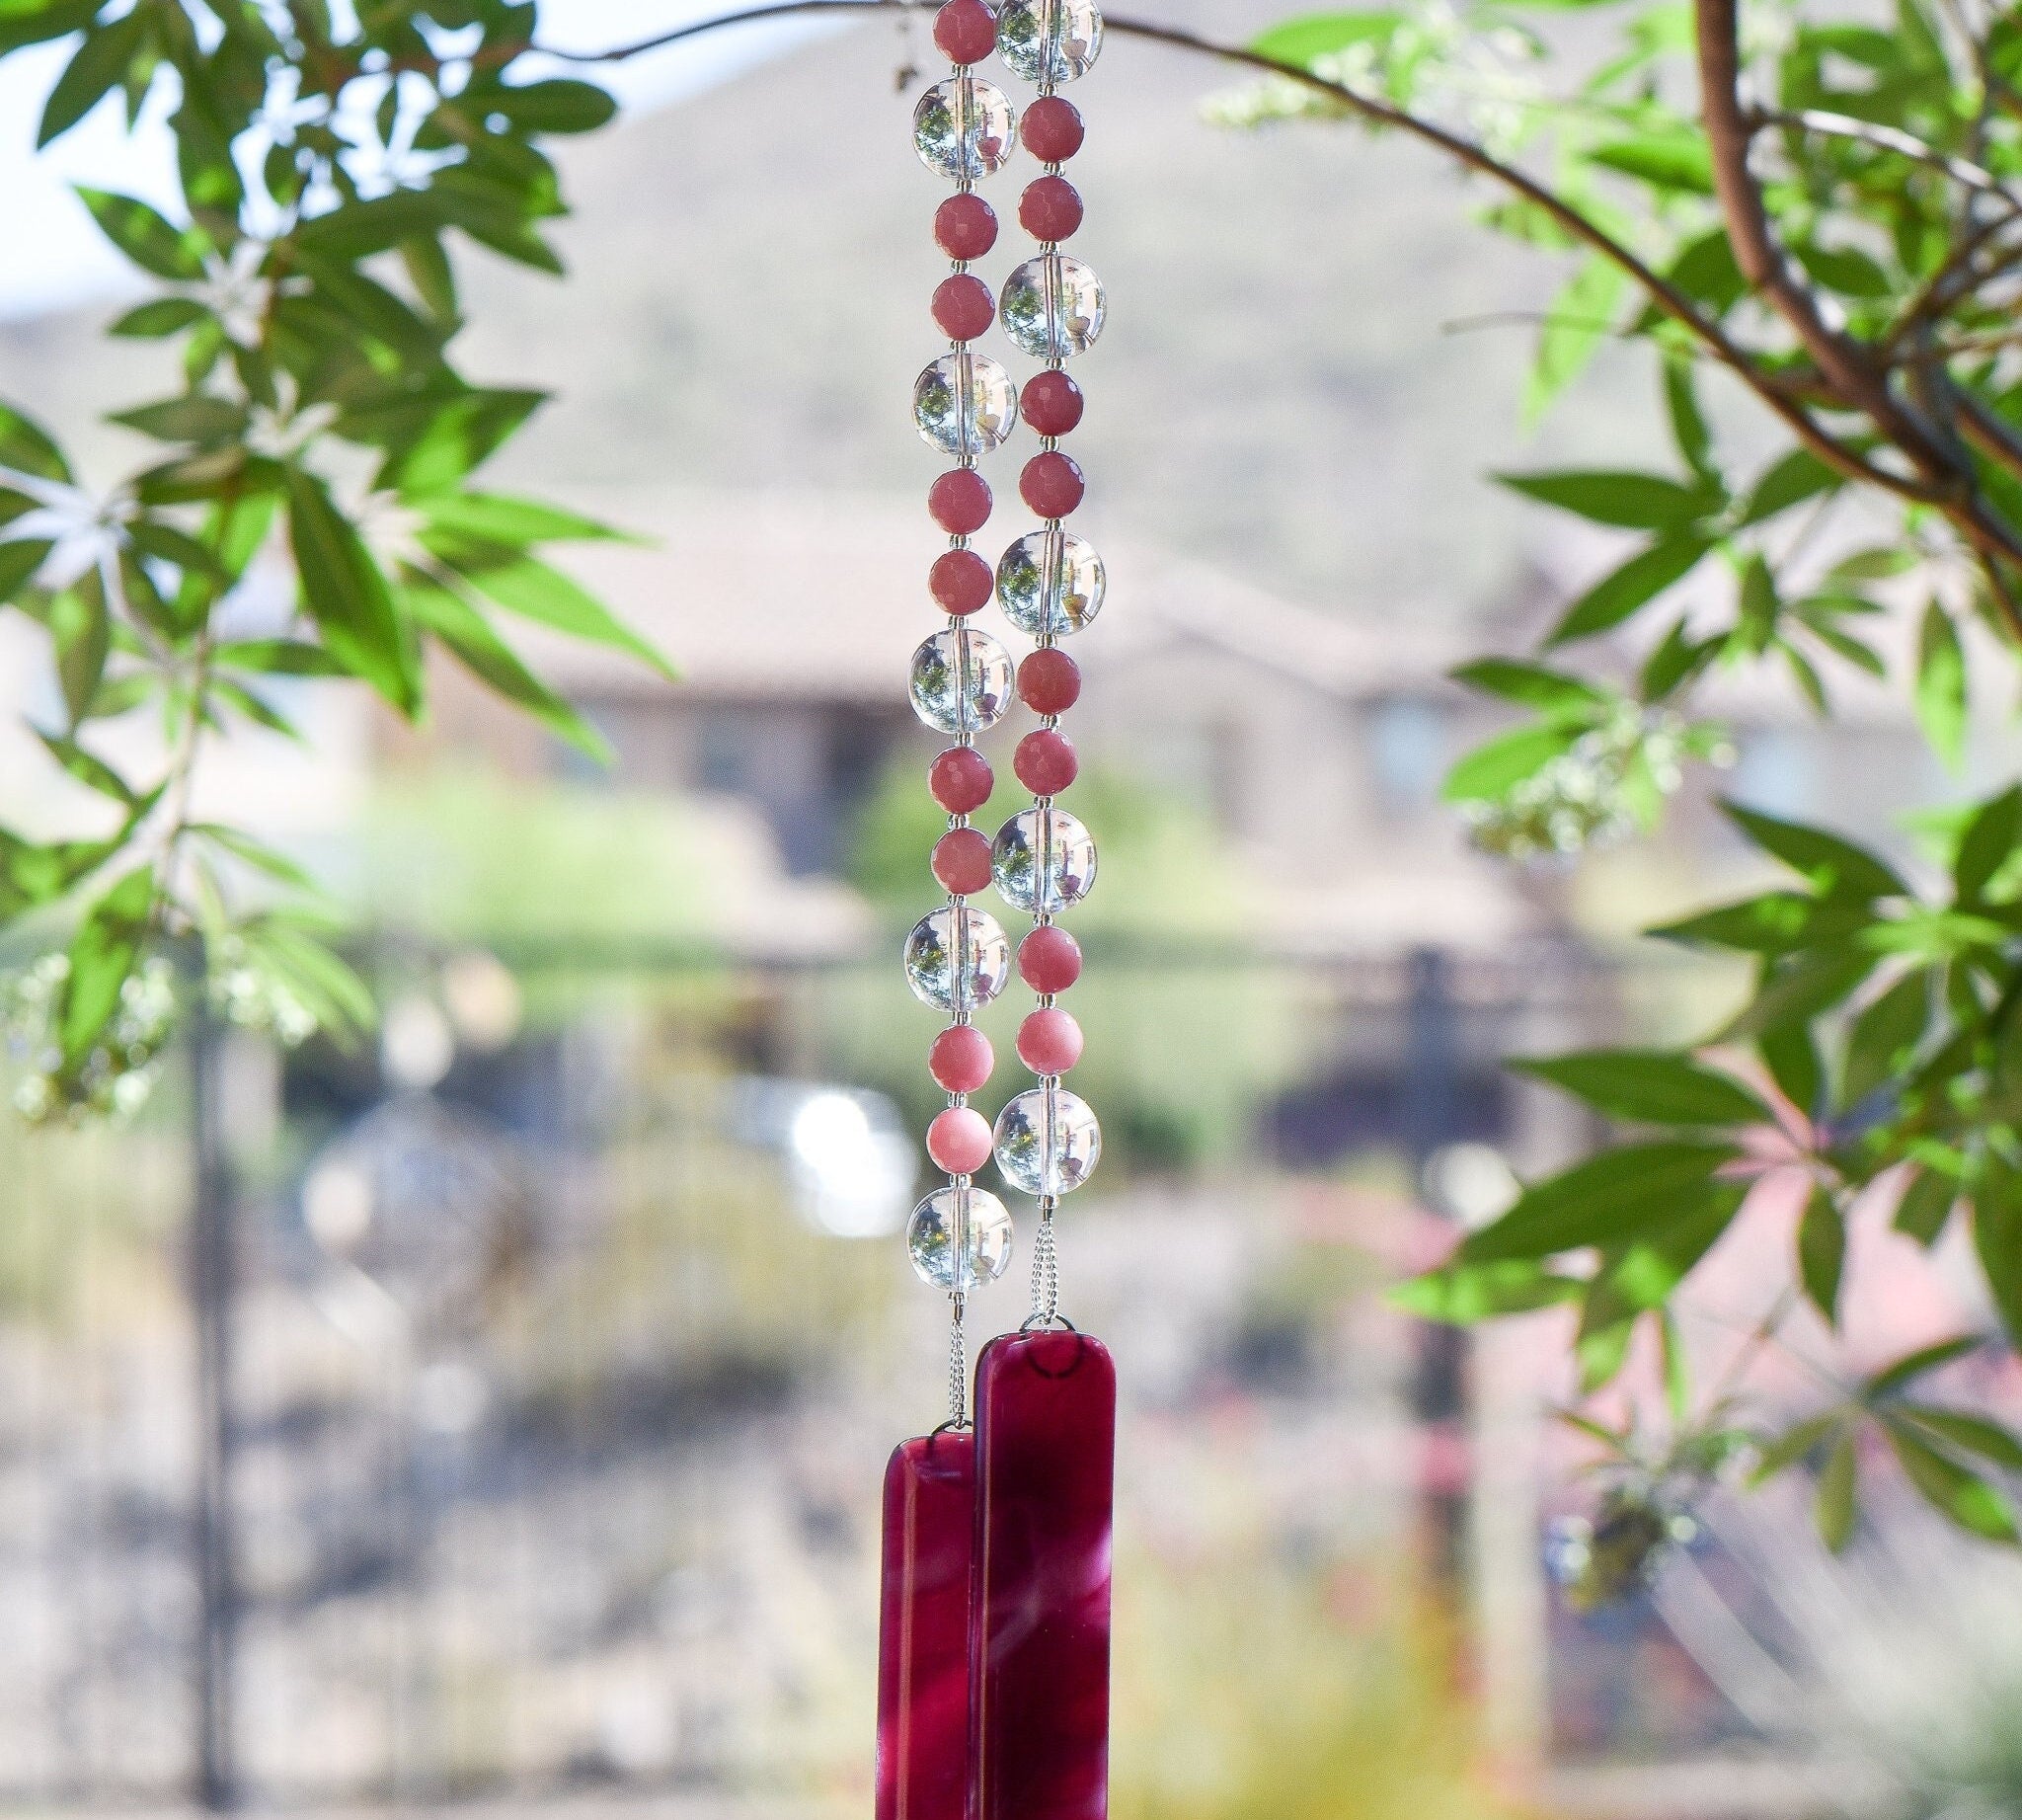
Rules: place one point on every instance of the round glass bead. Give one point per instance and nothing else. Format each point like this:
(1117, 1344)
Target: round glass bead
(1049, 41)
(1052, 306)
(965, 404)
(965, 128)
(962, 681)
(1051, 583)
(960, 1238)
(957, 958)
(1043, 859)
(1047, 1140)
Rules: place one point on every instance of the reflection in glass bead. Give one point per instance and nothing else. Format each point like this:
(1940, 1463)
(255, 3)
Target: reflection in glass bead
(965, 404)
(965, 128)
(1050, 583)
(1052, 306)
(960, 1238)
(1047, 1140)
(1049, 41)
(1043, 860)
(962, 681)
(957, 958)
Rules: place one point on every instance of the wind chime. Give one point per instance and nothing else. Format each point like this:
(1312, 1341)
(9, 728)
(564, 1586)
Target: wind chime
(994, 1657)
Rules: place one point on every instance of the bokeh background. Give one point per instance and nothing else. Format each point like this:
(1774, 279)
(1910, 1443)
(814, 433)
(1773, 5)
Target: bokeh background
(493, 1414)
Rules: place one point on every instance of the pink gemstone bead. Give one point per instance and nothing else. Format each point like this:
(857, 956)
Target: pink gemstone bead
(966, 31)
(1050, 1042)
(1050, 209)
(963, 306)
(960, 1058)
(1046, 762)
(1050, 402)
(1049, 681)
(1052, 130)
(961, 581)
(958, 1140)
(965, 226)
(959, 780)
(960, 502)
(962, 861)
(1050, 483)
(1050, 958)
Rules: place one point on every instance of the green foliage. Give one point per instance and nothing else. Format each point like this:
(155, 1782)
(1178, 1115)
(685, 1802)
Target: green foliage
(1834, 236)
(330, 164)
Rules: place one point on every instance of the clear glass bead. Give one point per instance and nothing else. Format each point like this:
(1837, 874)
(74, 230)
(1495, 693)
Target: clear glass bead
(962, 681)
(1049, 41)
(965, 128)
(1047, 1140)
(1043, 860)
(960, 1238)
(1052, 306)
(1050, 583)
(965, 404)
(957, 958)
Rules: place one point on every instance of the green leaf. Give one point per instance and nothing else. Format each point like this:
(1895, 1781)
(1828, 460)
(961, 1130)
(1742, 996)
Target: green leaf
(1845, 269)
(462, 628)
(1532, 685)
(1671, 161)
(88, 770)
(1884, 1037)
(1607, 1199)
(434, 444)
(98, 66)
(1322, 35)
(19, 560)
(1489, 770)
(1835, 1506)
(1914, 1365)
(1987, 844)
(148, 240)
(81, 624)
(1688, 426)
(197, 417)
(1758, 606)
(1579, 320)
(279, 657)
(1832, 866)
(1941, 686)
(1998, 1237)
(1926, 1205)
(1780, 1455)
(1798, 989)
(1792, 1059)
(1822, 1254)
(1953, 1490)
(554, 105)
(1633, 585)
(26, 446)
(530, 586)
(101, 955)
(1678, 659)
(36, 21)
(348, 597)
(1973, 1433)
(160, 316)
(358, 230)
(1468, 1292)
(494, 517)
(1633, 501)
(1649, 1086)
(1774, 924)
(1798, 476)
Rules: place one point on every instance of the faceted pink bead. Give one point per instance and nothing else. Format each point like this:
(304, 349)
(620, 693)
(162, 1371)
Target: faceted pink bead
(966, 31)
(1052, 130)
(1045, 1431)
(960, 1058)
(1050, 958)
(963, 307)
(960, 502)
(958, 1140)
(961, 581)
(923, 1634)
(1050, 402)
(1051, 207)
(1052, 484)
(1044, 761)
(1049, 681)
(1049, 1042)
(965, 226)
(962, 861)
(959, 779)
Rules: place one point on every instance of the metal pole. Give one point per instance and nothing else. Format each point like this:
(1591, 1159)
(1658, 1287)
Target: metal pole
(211, 1283)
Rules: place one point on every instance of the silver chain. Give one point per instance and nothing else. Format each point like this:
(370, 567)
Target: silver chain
(1046, 1267)
(958, 1364)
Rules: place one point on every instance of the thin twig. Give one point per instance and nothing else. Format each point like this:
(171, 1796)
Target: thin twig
(1828, 124)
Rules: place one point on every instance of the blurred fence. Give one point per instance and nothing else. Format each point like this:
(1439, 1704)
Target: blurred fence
(498, 1411)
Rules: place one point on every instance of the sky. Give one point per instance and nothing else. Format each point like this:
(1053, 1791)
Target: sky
(53, 257)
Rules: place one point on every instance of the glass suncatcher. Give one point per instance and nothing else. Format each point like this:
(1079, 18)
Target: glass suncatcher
(994, 1643)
